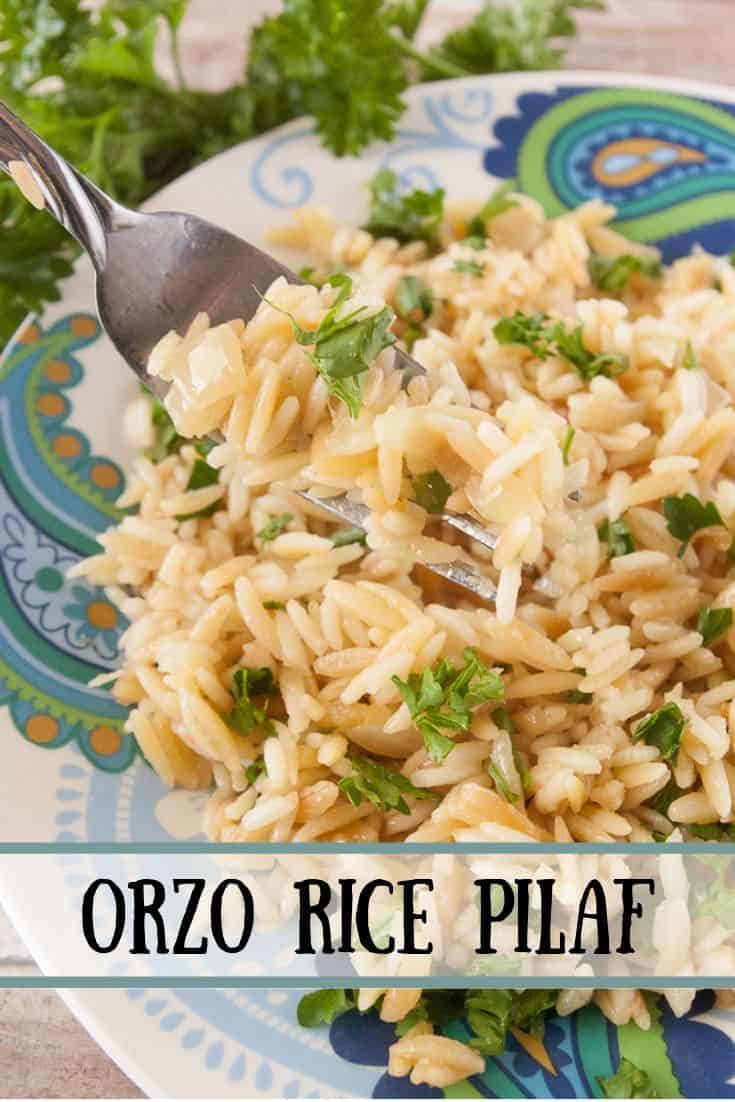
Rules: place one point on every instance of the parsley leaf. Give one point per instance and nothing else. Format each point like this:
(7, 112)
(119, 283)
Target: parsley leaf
(665, 797)
(502, 720)
(246, 716)
(690, 360)
(618, 537)
(166, 439)
(611, 273)
(431, 491)
(202, 475)
(273, 606)
(414, 302)
(498, 203)
(274, 527)
(382, 786)
(345, 347)
(711, 622)
(255, 770)
(442, 699)
(468, 267)
(351, 534)
(712, 832)
(490, 1013)
(663, 729)
(408, 216)
(566, 445)
(503, 38)
(629, 1081)
(576, 696)
(686, 515)
(322, 1007)
(545, 338)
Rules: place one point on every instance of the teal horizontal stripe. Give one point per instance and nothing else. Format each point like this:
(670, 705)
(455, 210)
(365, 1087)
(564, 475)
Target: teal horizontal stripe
(440, 982)
(385, 849)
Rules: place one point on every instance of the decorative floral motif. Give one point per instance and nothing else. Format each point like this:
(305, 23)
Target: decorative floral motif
(54, 496)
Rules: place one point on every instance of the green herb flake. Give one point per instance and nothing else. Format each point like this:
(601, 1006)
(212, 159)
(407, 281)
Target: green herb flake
(344, 347)
(475, 241)
(414, 299)
(545, 338)
(246, 716)
(350, 534)
(665, 797)
(274, 527)
(663, 729)
(629, 1081)
(618, 537)
(322, 1007)
(498, 203)
(166, 439)
(202, 475)
(501, 784)
(408, 216)
(490, 1014)
(566, 445)
(612, 273)
(442, 699)
(711, 622)
(381, 786)
(468, 267)
(576, 696)
(273, 606)
(686, 515)
(255, 769)
(431, 491)
(690, 360)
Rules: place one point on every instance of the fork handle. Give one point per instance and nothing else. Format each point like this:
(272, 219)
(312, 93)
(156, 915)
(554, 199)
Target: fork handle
(79, 205)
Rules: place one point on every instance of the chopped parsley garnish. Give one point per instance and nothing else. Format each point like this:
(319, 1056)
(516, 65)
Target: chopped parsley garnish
(166, 439)
(687, 515)
(345, 347)
(255, 769)
(663, 729)
(690, 360)
(576, 696)
(442, 699)
(566, 445)
(498, 203)
(665, 797)
(490, 1014)
(611, 273)
(711, 622)
(468, 267)
(431, 491)
(502, 720)
(474, 241)
(245, 716)
(545, 338)
(382, 786)
(273, 606)
(629, 1081)
(618, 537)
(201, 475)
(351, 534)
(322, 1007)
(274, 527)
(712, 832)
(407, 216)
(414, 302)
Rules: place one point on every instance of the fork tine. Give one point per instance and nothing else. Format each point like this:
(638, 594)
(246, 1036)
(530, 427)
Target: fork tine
(459, 572)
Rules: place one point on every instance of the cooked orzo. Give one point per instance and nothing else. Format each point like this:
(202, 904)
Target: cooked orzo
(578, 402)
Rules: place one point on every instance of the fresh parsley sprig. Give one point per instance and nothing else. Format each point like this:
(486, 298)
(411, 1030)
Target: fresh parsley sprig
(544, 337)
(686, 515)
(612, 273)
(443, 699)
(245, 716)
(406, 215)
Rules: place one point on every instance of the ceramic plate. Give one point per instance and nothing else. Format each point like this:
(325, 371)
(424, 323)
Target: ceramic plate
(664, 153)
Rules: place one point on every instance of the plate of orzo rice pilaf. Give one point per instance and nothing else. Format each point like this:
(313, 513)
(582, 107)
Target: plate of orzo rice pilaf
(190, 650)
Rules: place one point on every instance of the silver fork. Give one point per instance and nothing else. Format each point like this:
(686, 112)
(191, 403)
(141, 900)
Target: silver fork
(155, 272)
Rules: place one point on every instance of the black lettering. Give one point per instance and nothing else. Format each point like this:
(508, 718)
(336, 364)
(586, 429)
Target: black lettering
(487, 914)
(318, 909)
(411, 916)
(631, 909)
(362, 917)
(599, 915)
(215, 915)
(546, 891)
(88, 925)
(150, 909)
(197, 888)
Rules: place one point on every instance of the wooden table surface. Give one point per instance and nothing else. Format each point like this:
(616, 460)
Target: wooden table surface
(44, 1052)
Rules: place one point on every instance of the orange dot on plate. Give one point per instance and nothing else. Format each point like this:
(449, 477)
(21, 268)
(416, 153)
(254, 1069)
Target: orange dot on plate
(42, 728)
(104, 476)
(101, 615)
(66, 446)
(29, 335)
(105, 740)
(50, 405)
(83, 326)
(56, 371)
